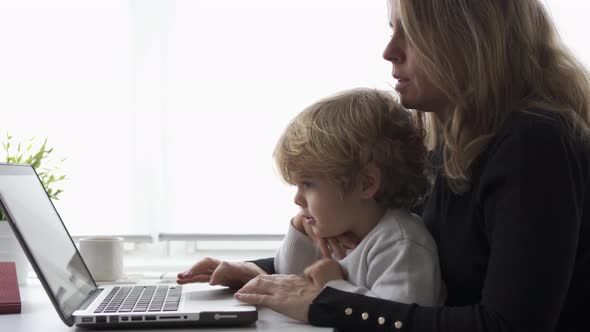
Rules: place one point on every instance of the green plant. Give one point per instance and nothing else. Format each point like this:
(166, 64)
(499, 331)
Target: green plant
(28, 152)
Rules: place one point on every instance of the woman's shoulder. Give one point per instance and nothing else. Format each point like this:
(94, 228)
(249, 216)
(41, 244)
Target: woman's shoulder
(530, 122)
(538, 131)
(535, 136)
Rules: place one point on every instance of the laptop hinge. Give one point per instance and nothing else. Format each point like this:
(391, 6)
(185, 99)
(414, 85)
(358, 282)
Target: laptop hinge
(90, 298)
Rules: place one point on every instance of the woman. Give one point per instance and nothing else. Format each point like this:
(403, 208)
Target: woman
(507, 110)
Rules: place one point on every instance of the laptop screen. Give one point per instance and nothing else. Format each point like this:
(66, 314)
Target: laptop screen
(32, 212)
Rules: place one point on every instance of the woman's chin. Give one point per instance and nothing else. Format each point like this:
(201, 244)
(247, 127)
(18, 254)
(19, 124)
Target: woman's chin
(408, 102)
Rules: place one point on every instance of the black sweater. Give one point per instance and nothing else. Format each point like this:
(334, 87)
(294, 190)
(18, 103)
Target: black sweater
(514, 250)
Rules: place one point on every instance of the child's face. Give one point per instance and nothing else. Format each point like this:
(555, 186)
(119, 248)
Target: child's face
(329, 211)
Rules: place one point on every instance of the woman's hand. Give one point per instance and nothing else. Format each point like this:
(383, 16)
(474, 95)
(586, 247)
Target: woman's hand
(289, 295)
(333, 245)
(324, 271)
(216, 272)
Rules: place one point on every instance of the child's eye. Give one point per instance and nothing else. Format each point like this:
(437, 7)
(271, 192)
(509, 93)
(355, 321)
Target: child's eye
(306, 184)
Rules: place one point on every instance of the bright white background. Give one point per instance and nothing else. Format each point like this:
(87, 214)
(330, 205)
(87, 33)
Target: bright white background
(168, 111)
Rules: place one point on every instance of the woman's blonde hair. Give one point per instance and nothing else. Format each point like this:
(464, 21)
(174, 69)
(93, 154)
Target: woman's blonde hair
(490, 58)
(337, 137)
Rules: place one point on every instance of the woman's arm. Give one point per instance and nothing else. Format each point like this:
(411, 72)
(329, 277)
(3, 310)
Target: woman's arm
(267, 264)
(532, 200)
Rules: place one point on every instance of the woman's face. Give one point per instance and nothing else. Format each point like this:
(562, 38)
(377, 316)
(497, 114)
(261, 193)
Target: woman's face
(415, 89)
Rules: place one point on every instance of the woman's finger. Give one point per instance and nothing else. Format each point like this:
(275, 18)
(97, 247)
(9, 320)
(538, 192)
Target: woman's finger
(198, 278)
(254, 299)
(218, 276)
(204, 266)
(260, 285)
(234, 274)
(289, 295)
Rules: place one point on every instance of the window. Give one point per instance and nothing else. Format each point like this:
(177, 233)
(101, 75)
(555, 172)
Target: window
(570, 20)
(168, 111)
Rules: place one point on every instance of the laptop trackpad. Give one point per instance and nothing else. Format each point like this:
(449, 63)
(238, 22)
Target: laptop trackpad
(211, 294)
(214, 299)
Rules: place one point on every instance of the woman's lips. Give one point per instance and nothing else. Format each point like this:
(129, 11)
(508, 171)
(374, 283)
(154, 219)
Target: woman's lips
(309, 220)
(402, 83)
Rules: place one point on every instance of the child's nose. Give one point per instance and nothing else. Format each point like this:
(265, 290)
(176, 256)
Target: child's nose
(299, 200)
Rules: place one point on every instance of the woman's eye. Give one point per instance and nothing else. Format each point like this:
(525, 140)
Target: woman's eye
(397, 30)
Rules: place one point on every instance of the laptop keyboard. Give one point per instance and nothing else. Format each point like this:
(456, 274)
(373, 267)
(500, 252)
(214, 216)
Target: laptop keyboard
(141, 299)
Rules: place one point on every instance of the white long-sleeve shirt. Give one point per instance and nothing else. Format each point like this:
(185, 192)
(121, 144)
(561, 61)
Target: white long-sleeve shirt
(397, 260)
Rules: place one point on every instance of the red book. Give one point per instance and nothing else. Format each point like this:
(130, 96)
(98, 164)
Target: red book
(9, 294)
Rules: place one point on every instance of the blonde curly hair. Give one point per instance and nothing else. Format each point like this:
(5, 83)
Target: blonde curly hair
(336, 137)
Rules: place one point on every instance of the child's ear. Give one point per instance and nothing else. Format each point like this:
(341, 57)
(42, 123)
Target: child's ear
(370, 181)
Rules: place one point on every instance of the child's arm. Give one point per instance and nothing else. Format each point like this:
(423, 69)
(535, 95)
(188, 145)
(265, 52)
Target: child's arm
(297, 252)
(404, 272)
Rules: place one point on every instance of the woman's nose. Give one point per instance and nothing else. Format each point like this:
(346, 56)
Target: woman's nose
(394, 51)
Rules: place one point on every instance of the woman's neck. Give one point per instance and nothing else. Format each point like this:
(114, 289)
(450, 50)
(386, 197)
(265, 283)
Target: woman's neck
(442, 114)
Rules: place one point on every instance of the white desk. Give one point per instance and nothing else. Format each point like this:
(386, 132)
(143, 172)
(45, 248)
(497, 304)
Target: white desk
(38, 314)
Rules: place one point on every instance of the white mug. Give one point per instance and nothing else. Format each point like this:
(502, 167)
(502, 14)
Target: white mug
(103, 257)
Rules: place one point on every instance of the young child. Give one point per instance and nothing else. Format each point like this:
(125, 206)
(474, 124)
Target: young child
(358, 161)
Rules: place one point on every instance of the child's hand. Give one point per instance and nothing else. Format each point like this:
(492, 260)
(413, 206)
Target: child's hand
(299, 223)
(336, 245)
(323, 271)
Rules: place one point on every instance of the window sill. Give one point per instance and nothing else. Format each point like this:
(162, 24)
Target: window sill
(138, 267)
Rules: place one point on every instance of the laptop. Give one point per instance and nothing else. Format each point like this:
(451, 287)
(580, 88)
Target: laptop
(72, 290)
